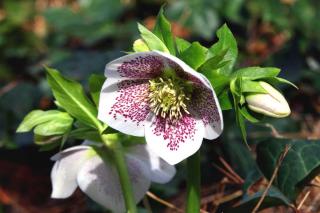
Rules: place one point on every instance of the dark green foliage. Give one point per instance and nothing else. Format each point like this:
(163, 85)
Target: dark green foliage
(301, 164)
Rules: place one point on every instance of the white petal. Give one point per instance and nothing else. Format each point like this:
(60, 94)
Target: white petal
(206, 106)
(65, 170)
(68, 151)
(156, 169)
(100, 181)
(174, 142)
(142, 65)
(124, 106)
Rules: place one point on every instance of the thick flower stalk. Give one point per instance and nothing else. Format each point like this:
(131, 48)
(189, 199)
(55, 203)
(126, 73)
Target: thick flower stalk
(156, 95)
(90, 168)
(271, 103)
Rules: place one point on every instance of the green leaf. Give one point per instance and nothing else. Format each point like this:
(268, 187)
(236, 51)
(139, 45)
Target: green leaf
(129, 141)
(182, 44)
(52, 122)
(214, 63)
(235, 88)
(300, 165)
(153, 42)
(228, 43)
(239, 118)
(95, 85)
(225, 100)
(218, 81)
(277, 80)
(194, 55)
(253, 118)
(211, 69)
(32, 119)
(46, 140)
(252, 86)
(58, 126)
(85, 133)
(255, 73)
(252, 176)
(273, 198)
(71, 97)
(140, 46)
(162, 29)
(242, 125)
(48, 147)
(240, 157)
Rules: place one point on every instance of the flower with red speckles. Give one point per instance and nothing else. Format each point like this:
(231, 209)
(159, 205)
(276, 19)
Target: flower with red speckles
(156, 95)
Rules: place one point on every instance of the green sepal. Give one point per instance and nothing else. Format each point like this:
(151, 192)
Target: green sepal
(235, 87)
(252, 87)
(249, 115)
(236, 91)
(277, 80)
(241, 123)
(255, 73)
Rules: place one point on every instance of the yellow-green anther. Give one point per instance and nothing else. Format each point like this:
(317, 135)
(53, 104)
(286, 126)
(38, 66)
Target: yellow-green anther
(168, 97)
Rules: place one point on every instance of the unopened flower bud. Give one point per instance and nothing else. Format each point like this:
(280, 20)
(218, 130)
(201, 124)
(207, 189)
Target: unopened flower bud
(271, 104)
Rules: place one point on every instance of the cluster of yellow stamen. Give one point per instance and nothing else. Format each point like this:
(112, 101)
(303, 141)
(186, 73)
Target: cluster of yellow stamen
(168, 97)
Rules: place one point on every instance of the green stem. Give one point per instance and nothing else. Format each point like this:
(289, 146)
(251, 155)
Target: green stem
(193, 183)
(112, 142)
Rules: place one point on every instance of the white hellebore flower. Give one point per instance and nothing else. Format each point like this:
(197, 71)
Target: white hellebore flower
(271, 104)
(156, 95)
(98, 178)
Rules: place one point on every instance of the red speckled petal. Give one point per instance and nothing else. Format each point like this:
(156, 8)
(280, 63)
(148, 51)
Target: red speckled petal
(205, 105)
(183, 70)
(143, 65)
(124, 106)
(174, 142)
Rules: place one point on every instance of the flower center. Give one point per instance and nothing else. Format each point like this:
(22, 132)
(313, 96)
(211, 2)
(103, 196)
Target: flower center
(169, 97)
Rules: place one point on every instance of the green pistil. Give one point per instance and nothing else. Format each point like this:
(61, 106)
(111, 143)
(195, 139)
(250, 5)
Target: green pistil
(169, 96)
(169, 73)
